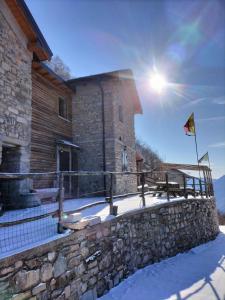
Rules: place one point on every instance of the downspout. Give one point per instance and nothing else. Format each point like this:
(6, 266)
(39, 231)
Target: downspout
(103, 133)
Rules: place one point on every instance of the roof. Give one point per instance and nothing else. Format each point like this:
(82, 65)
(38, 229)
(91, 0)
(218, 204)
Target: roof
(124, 74)
(187, 174)
(36, 40)
(169, 166)
(67, 143)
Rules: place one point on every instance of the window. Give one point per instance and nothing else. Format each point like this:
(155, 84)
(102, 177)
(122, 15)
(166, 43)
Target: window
(120, 113)
(63, 110)
(124, 160)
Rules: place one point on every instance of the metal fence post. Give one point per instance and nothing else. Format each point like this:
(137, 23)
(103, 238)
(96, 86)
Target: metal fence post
(111, 195)
(167, 187)
(61, 198)
(143, 188)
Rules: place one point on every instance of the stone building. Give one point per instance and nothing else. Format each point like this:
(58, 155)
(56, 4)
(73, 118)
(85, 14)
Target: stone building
(103, 127)
(20, 41)
(48, 125)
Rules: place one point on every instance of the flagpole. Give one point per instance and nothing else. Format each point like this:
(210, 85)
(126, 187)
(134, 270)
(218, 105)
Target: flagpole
(196, 147)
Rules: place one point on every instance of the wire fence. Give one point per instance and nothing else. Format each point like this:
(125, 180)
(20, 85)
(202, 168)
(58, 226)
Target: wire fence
(22, 226)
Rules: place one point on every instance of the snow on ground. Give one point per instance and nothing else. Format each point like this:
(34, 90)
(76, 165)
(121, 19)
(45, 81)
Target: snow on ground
(14, 238)
(198, 274)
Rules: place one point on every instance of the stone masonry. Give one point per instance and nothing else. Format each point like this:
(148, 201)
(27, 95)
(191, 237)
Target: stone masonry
(89, 262)
(15, 97)
(92, 94)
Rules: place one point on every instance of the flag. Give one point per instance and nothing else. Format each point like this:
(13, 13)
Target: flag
(189, 126)
(205, 157)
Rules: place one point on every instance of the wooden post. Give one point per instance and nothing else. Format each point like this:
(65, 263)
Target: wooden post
(143, 188)
(111, 195)
(211, 183)
(200, 185)
(185, 187)
(205, 184)
(167, 187)
(194, 186)
(61, 198)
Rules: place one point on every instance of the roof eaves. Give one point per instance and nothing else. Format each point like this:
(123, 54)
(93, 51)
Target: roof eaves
(36, 41)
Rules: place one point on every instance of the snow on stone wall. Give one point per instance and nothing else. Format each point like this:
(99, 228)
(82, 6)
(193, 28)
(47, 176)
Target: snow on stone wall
(91, 261)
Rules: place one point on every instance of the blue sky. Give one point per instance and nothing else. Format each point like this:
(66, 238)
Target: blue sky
(185, 40)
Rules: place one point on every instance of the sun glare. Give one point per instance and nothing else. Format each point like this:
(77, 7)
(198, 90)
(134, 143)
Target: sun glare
(158, 82)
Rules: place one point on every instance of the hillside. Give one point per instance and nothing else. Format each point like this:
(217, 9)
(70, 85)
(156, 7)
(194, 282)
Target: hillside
(219, 188)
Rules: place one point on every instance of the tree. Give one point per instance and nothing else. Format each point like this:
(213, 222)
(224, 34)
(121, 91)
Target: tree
(59, 67)
(151, 159)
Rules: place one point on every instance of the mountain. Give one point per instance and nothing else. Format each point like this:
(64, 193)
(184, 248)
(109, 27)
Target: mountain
(219, 189)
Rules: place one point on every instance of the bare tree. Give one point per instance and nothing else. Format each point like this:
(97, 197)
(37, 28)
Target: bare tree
(151, 159)
(59, 67)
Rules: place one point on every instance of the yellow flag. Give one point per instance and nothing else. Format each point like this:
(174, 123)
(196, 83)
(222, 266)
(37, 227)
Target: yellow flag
(189, 126)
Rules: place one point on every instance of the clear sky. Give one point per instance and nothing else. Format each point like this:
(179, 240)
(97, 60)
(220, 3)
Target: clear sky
(185, 40)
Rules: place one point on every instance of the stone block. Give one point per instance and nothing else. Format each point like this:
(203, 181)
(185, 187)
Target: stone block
(46, 272)
(92, 220)
(76, 226)
(67, 292)
(59, 266)
(72, 218)
(38, 289)
(26, 279)
(22, 296)
(51, 256)
(89, 295)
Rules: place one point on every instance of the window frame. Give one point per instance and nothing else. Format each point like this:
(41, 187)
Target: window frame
(65, 115)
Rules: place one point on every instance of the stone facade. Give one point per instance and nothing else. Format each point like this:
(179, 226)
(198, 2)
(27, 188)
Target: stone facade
(102, 131)
(89, 262)
(15, 98)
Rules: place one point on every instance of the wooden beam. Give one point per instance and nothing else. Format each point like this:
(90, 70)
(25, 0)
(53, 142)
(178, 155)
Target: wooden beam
(169, 166)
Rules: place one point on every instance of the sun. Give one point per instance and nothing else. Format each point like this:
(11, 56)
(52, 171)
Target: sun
(158, 82)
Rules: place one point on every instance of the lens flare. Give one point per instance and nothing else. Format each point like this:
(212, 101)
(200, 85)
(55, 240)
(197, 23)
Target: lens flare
(158, 82)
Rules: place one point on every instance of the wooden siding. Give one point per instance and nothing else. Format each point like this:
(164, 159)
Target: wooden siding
(47, 127)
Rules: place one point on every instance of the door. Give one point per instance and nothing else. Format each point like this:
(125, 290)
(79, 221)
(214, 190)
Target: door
(74, 179)
(64, 165)
(68, 161)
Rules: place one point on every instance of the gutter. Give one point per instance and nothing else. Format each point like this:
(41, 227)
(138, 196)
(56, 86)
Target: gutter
(103, 132)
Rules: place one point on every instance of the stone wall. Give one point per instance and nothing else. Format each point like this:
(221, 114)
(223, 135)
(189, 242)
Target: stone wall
(87, 133)
(15, 92)
(88, 130)
(89, 262)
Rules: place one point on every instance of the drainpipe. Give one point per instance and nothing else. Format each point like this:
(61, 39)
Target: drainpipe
(103, 132)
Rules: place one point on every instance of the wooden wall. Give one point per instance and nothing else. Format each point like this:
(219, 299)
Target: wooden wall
(47, 127)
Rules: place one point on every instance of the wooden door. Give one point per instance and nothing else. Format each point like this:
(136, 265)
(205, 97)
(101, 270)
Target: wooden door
(74, 179)
(64, 165)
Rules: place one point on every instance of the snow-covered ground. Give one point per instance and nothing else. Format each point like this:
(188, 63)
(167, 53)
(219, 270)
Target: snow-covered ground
(219, 187)
(198, 274)
(17, 237)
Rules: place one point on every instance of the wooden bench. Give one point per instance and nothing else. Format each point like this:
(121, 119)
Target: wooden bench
(47, 194)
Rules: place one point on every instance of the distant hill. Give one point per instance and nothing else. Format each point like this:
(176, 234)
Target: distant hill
(219, 188)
